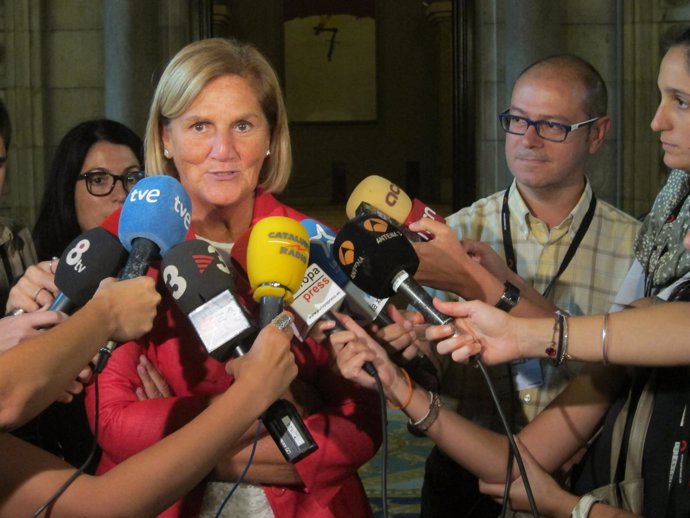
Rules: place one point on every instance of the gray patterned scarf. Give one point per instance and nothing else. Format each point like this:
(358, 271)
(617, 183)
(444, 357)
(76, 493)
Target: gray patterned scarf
(659, 244)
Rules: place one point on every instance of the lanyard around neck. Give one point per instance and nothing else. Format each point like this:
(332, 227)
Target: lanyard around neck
(508, 239)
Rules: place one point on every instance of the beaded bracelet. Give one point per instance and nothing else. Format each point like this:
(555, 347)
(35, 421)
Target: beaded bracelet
(558, 350)
(408, 398)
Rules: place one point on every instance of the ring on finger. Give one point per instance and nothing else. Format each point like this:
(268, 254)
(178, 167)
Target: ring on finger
(38, 291)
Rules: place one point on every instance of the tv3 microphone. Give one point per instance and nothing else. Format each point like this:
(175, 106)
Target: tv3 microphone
(277, 257)
(376, 194)
(155, 216)
(87, 260)
(201, 284)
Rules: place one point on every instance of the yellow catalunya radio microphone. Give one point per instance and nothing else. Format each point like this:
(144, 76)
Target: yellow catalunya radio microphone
(277, 257)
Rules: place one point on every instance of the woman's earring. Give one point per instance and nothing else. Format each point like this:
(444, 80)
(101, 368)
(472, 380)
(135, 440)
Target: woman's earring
(268, 152)
(166, 153)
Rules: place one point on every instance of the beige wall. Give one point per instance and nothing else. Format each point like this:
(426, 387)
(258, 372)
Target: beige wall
(52, 75)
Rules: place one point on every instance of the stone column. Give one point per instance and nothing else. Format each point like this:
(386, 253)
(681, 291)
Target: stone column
(131, 46)
(439, 15)
(530, 34)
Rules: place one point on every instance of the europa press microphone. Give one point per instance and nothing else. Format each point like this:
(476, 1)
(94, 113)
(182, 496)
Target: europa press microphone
(376, 194)
(315, 300)
(277, 257)
(155, 216)
(359, 302)
(87, 260)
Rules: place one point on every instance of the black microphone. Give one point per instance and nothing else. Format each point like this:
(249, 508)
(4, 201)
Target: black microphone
(378, 258)
(358, 302)
(202, 286)
(87, 260)
(156, 215)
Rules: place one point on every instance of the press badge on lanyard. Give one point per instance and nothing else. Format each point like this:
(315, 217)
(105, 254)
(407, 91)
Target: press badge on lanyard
(527, 374)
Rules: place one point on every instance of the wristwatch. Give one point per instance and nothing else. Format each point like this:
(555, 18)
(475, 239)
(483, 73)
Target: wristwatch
(509, 298)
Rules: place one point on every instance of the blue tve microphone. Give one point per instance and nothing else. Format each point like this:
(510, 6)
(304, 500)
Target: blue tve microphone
(87, 260)
(156, 215)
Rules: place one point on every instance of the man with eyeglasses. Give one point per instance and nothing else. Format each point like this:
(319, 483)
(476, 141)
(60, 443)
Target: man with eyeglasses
(546, 242)
(17, 251)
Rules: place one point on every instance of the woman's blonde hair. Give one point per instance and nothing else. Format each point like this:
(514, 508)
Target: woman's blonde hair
(189, 71)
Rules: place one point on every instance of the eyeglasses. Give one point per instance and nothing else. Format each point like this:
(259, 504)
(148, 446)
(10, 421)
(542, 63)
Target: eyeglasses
(102, 183)
(548, 130)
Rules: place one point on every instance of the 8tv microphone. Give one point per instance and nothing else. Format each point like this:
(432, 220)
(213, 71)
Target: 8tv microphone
(87, 260)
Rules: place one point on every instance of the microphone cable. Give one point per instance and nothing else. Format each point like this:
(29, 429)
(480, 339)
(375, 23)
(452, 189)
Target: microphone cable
(257, 436)
(511, 441)
(82, 468)
(384, 443)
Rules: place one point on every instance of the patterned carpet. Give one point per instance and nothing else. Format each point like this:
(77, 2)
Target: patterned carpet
(406, 456)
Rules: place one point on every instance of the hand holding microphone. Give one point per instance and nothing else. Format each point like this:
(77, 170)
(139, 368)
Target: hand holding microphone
(131, 305)
(376, 194)
(270, 353)
(34, 290)
(380, 260)
(156, 216)
(277, 257)
(70, 282)
(201, 284)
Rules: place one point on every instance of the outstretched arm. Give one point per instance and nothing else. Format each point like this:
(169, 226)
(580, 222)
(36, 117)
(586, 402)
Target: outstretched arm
(30, 476)
(631, 337)
(572, 418)
(446, 264)
(36, 371)
(550, 498)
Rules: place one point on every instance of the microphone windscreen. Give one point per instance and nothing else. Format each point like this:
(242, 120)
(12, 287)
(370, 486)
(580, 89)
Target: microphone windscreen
(87, 260)
(277, 257)
(194, 273)
(372, 252)
(383, 195)
(157, 209)
(321, 239)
